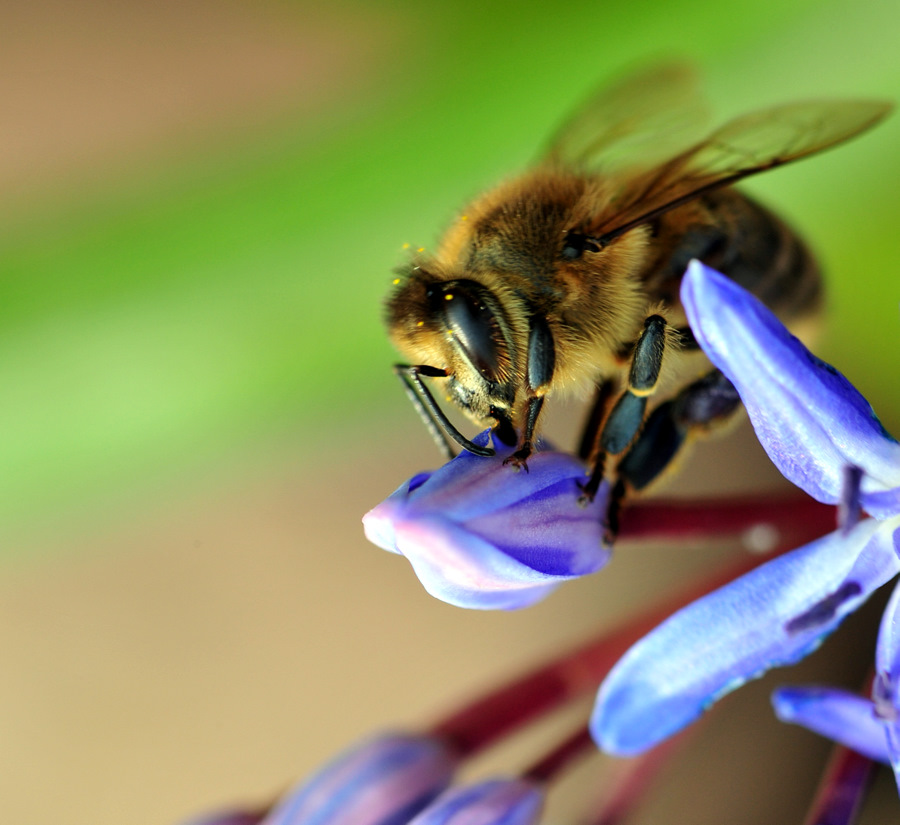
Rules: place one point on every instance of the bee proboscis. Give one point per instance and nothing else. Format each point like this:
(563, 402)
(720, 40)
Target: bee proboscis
(568, 275)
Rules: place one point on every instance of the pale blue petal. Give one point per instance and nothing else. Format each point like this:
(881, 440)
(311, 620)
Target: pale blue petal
(886, 687)
(836, 714)
(494, 802)
(812, 421)
(772, 616)
(887, 652)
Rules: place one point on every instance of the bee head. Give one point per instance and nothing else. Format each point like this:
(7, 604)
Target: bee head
(457, 325)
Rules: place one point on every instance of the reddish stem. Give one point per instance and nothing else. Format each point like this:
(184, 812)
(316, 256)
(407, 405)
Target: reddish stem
(551, 765)
(631, 779)
(799, 516)
(842, 788)
(551, 685)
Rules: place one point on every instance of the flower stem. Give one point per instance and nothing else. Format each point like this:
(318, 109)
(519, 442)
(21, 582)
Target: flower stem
(842, 789)
(551, 685)
(630, 780)
(553, 763)
(792, 520)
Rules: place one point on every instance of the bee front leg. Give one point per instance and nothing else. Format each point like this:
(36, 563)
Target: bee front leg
(627, 416)
(519, 458)
(541, 363)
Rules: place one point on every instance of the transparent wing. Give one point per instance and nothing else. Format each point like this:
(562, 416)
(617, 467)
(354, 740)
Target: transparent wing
(633, 123)
(742, 147)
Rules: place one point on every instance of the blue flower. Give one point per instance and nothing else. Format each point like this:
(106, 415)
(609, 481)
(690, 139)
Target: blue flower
(493, 802)
(480, 535)
(815, 426)
(869, 726)
(384, 781)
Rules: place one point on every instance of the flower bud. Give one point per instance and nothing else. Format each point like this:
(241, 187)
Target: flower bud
(479, 534)
(495, 802)
(384, 781)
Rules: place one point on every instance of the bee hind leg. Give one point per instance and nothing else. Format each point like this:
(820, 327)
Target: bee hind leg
(627, 415)
(708, 401)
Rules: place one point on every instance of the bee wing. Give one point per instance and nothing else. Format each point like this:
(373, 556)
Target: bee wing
(634, 123)
(742, 147)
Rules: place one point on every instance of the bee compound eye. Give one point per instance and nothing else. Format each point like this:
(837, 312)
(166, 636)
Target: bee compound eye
(474, 330)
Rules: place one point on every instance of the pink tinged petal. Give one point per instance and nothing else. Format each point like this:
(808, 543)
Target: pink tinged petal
(836, 714)
(810, 419)
(384, 781)
(467, 571)
(481, 535)
(773, 616)
(378, 523)
(495, 802)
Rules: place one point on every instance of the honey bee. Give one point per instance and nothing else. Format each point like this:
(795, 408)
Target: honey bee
(569, 274)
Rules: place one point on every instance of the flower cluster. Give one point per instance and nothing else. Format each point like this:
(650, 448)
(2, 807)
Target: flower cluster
(821, 434)
(480, 536)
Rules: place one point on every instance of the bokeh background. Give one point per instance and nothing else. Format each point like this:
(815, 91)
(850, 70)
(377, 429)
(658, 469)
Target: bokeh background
(200, 207)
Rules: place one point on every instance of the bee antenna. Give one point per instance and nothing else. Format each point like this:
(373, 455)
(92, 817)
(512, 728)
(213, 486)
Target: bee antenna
(435, 420)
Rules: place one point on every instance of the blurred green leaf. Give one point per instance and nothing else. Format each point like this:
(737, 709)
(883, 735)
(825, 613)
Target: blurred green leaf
(209, 297)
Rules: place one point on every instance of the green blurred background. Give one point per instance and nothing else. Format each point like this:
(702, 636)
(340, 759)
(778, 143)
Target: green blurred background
(201, 205)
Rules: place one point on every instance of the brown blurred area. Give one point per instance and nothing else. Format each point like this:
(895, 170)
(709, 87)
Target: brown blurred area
(88, 85)
(225, 640)
(216, 648)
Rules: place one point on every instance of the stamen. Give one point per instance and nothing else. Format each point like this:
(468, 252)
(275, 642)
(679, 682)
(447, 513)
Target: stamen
(823, 612)
(849, 507)
(883, 698)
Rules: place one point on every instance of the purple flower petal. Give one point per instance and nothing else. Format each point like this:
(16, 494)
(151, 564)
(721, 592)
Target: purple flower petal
(836, 714)
(810, 419)
(886, 687)
(481, 535)
(495, 802)
(772, 616)
(385, 781)
(887, 652)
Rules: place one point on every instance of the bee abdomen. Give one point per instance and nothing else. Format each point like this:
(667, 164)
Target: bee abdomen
(765, 256)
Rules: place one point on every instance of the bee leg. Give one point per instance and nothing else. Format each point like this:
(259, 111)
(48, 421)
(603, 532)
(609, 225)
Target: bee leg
(541, 363)
(627, 416)
(520, 457)
(708, 401)
(588, 444)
